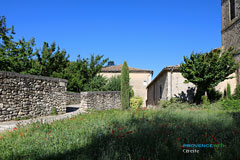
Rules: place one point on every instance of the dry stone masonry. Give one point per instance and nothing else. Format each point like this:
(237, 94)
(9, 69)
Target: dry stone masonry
(95, 100)
(28, 95)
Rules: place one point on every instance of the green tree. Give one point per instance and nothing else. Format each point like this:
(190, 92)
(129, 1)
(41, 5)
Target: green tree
(15, 56)
(82, 72)
(125, 98)
(96, 84)
(207, 70)
(51, 62)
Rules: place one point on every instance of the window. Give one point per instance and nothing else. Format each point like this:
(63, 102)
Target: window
(232, 9)
(160, 92)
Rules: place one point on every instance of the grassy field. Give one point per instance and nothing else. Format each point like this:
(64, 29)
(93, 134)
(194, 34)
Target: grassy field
(137, 135)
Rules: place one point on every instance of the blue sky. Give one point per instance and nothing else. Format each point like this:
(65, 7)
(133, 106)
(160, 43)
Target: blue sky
(148, 34)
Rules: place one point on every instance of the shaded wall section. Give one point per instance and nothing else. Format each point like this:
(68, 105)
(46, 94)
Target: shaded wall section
(28, 95)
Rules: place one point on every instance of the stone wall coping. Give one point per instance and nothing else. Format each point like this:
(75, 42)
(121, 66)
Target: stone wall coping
(14, 74)
(100, 92)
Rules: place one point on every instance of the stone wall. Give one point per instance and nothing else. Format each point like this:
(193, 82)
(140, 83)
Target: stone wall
(95, 100)
(28, 95)
(231, 29)
(73, 98)
(101, 100)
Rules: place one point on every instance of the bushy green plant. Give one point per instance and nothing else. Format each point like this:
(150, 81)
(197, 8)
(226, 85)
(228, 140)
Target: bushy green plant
(54, 111)
(214, 95)
(229, 96)
(231, 104)
(125, 98)
(164, 103)
(113, 84)
(236, 94)
(136, 102)
(205, 100)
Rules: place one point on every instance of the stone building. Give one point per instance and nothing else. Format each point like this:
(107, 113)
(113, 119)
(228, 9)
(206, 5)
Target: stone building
(170, 83)
(139, 78)
(231, 27)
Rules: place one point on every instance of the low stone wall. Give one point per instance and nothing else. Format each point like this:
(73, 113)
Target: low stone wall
(95, 100)
(73, 98)
(28, 95)
(101, 100)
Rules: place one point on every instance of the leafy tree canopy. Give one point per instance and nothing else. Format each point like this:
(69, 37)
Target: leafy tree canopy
(207, 70)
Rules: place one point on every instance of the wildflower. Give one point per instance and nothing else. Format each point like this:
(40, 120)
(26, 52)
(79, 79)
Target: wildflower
(181, 146)
(113, 131)
(21, 134)
(71, 128)
(1, 137)
(49, 132)
(153, 123)
(178, 139)
(71, 118)
(235, 131)
(14, 128)
(81, 119)
(129, 132)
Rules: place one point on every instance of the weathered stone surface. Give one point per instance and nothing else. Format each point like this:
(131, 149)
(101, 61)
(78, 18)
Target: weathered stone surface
(95, 100)
(29, 95)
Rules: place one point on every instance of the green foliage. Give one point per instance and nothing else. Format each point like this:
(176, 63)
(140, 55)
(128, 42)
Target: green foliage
(131, 92)
(82, 72)
(125, 98)
(229, 95)
(205, 100)
(54, 111)
(164, 103)
(15, 56)
(96, 84)
(207, 70)
(136, 102)
(236, 94)
(231, 105)
(116, 134)
(214, 95)
(113, 84)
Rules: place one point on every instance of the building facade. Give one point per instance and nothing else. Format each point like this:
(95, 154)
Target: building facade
(139, 79)
(231, 27)
(169, 83)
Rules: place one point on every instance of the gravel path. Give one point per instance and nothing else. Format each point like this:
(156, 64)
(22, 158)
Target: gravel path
(9, 125)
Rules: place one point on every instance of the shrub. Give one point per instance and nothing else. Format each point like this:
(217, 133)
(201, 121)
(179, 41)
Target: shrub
(136, 102)
(164, 103)
(205, 100)
(231, 105)
(54, 111)
(113, 84)
(229, 96)
(236, 94)
(125, 98)
(214, 95)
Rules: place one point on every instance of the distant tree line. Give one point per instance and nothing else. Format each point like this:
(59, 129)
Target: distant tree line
(21, 57)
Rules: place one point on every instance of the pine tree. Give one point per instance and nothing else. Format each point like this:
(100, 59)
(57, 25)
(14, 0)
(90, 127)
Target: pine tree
(125, 99)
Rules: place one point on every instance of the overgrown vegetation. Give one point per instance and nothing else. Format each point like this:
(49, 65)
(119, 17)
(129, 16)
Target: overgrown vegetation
(136, 102)
(118, 134)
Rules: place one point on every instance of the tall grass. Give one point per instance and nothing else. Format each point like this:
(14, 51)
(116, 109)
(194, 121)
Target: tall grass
(117, 134)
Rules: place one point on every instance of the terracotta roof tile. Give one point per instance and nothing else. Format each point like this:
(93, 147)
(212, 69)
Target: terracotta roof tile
(118, 68)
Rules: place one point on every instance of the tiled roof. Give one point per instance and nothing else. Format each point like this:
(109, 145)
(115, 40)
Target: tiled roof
(118, 68)
(168, 68)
